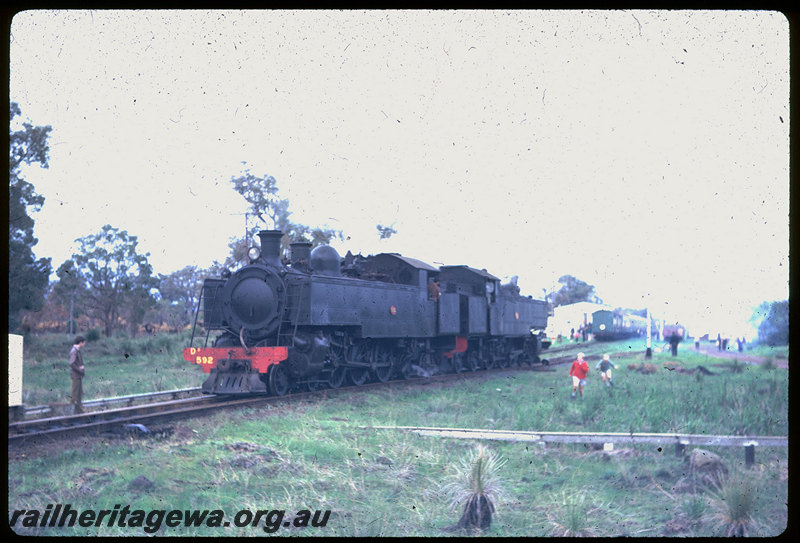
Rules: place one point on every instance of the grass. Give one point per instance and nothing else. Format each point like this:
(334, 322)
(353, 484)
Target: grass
(570, 514)
(114, 367)
(320, 454)
(769, 351)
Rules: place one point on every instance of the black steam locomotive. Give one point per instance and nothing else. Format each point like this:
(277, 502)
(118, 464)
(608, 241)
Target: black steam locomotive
(318, 320)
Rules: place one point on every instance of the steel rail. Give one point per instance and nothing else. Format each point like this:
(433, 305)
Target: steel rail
(116, 400)
(117, 418)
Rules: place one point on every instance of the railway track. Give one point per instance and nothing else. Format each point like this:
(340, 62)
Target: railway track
(39, 411)
(137, 419)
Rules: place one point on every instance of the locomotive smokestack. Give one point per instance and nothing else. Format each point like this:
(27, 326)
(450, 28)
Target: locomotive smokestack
(271, 247)
(301, 251)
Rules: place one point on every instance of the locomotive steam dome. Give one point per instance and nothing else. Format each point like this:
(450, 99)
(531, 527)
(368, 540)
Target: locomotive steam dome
(325, 261)
(253, 298)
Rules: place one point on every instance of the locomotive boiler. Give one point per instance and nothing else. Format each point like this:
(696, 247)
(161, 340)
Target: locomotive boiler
(317, 320)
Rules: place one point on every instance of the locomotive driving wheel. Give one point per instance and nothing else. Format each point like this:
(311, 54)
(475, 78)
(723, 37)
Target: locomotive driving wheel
(407, 370)
(337, 376)
(458, 362)
(489, 360)
(473, 361)
(357, 376)
(504, 361)
(383, 366)
(278, 380)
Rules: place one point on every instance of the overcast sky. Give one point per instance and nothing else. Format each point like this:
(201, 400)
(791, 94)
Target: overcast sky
(644, 152)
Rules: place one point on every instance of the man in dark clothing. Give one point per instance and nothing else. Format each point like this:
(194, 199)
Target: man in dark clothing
(673, 343)
(76, 372)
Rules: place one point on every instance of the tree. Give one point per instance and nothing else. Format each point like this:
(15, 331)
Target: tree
(385, 232)
(27, 276)
(572, 291)
(118, 280)
(262, 195)
(774, 328)
(182, 288)
(68, 291)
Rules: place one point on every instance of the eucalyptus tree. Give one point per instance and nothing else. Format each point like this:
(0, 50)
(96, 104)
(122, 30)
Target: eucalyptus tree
(117, 279)
(572, 290)
(27, 275)
(69, 291)
(774, 328)
(269, 211)
(385, 232)
(182, 289)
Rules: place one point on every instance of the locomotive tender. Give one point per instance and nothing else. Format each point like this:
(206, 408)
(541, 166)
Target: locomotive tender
(317, 320)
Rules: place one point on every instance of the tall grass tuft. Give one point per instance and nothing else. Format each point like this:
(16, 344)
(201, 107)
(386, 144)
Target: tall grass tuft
(478, 487)
(694, 508)
(570, 516)
(734, 501)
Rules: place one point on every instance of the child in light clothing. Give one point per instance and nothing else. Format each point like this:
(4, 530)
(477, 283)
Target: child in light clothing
(605, 366)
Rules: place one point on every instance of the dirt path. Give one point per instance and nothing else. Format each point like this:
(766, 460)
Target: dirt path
(711, 350)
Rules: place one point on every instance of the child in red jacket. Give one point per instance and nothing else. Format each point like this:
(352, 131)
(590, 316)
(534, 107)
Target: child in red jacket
(578, 372)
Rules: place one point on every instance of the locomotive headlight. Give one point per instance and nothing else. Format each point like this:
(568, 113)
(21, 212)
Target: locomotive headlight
(253, 254)
(602, 327)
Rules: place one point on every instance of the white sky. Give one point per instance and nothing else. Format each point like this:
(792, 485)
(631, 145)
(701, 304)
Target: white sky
(644, 152)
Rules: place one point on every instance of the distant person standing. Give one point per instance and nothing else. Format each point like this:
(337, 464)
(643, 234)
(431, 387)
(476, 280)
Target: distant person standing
(76, 372)
(578, 372)
(674, 339)
(605, 366)
(719, 342)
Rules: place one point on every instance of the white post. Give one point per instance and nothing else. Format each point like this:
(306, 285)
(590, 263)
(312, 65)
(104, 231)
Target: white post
(649, 351)
(14, 370)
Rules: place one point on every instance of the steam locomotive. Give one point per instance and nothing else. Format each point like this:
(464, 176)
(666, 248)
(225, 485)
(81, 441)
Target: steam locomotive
(317, 320)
